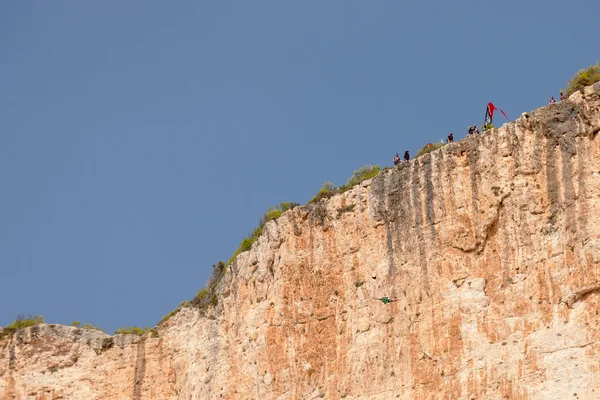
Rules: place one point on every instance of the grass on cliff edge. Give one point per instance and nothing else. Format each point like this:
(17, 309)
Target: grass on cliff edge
(207, 296)
(21, 322)
(136, 330)
(362, 174)
(583, 78)
(429, 147)
(87, 325)
(272, 214)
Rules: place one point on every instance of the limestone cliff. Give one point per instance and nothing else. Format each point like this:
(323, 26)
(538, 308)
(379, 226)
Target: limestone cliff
(491, 247)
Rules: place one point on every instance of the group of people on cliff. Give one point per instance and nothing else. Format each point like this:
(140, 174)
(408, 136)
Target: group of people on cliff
(553, 100)
(397, 158)
(471, 130)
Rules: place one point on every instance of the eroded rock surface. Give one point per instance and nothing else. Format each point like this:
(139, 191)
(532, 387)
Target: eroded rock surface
(491, 246)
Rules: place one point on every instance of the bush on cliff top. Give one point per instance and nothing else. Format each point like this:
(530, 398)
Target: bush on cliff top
(327, 190)
(272, 214)
(208, 295)
(362, 174)
(87, 325)
(21, 322)
(429, 147)
(583, 78)
(136, 330)
(181, 306)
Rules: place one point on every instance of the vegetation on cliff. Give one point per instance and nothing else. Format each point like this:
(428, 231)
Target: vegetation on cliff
(429, 147)
(136, 330)
(207, 296)
(362, 174)
(272, 214)
(87, 325)
(583, 78)
(21, 322)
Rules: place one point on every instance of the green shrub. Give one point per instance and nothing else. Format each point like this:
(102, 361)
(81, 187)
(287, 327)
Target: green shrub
(201, 295)
(362, 174)
(181, 306)
(488, 126)
(21, 322)
(429, 147)
(246, 244)
(327, 190)
(583, 78)
(287, 205)
(272, 214)
(205, 298)
(87, 325)
(218, 272)
(136, 330)
(92, 327)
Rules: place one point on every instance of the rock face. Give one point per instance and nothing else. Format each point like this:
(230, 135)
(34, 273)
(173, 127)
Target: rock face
(490, 247)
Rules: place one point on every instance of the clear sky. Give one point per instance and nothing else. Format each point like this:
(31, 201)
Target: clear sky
(142, 140)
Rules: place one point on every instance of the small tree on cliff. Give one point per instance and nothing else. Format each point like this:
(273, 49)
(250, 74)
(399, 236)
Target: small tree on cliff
(583, 78)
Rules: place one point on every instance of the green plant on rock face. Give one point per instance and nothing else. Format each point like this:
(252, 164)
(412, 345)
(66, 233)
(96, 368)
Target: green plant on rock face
(288, 205)
(21, 322)
(136, 330)
(272, 214)
(218, 272)
(92, 327)
(488, 126)
(181, 306)
(202, 293)
(87, 325)
(362, 174)
(583, 78)
(429, 147)
(327, 190)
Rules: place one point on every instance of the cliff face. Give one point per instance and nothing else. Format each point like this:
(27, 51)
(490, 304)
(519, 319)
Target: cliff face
(491, 247)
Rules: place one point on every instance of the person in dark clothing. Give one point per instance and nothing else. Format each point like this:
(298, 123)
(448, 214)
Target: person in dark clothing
(450, 137)
(406, 156)
(470, 130)
(552, 100)
(396, 159)
(476, 130)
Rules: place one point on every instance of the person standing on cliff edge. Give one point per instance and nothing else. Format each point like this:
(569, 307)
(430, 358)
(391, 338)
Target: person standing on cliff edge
(406, 156)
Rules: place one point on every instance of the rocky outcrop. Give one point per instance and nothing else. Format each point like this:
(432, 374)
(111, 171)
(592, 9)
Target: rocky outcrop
(491, 247)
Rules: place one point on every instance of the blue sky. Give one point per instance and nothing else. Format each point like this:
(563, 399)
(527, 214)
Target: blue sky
(141, 141)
